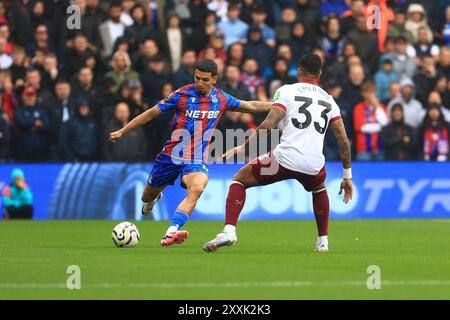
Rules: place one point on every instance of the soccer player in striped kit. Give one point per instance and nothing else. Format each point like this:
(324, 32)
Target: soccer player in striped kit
(198, 109)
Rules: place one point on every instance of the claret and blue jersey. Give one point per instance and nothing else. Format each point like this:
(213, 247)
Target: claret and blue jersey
(192, 127)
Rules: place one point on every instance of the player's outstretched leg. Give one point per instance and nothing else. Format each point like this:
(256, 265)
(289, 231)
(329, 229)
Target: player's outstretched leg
(321, 206)
(195, 183)
(150, 196)
(235, 203)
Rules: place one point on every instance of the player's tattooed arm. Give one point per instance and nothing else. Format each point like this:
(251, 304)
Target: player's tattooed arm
(137, 122)
(254, 106)
(273, 118)
(343, 143)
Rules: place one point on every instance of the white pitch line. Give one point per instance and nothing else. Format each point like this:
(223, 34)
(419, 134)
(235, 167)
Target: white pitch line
(273, 284)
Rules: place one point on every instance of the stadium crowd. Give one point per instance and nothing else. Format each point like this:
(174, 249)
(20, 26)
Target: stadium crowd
(63, 89)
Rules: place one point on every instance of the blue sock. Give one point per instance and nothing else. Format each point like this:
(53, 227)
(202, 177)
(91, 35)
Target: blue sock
(179, 219)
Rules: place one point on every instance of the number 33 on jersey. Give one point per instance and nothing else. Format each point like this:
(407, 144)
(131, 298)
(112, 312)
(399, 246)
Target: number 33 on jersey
(309, 112)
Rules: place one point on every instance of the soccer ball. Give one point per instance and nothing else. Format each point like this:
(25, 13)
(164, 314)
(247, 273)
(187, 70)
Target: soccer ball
(125, 234)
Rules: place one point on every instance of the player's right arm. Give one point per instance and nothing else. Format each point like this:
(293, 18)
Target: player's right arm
(345, 154)
(167, 104)
(137, 122)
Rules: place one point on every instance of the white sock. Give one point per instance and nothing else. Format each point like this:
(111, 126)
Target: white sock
(171, 230)
(323, 238)
(229, 228)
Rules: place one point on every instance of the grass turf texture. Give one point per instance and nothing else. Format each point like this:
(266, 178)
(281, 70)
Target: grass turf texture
(272, 260)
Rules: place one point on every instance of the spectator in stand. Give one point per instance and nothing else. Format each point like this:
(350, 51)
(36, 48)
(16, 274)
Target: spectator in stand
(6, 34)
(8, 101)
(443, 66)
(434, 135)
(153, 80)
(441, 88)
(19, 67)
(412, 108)
(369, 117)
(424, 47)
(79, 136)
(331, 149)
(259, 16)
(357, 10)
(174, 41)
(399, 139)
(201, 34)
(384, 77)
(6, 60)
(180, 7)
(308, 12)
(122, 71)
(222, 8)
(199, 12)
(76, 54)
(233, 85)
(62, 110)
(250, 76)
(332, 42)
(366, 43)
(17, 197)
(132, 148)
(104, 103)
(436, 98)
(300, 42)
(235, 30)
(50, 71)
(216, 42)
(417, 18)
(236, 54)
(148, 48)
(41, 41)
(283, 29)
(185, 74)
(140, 29)
(284, 50)
(425, 79)
(135, 101)
(33, 124)
(404, 65)
(111, 29)
(34, 80)
(394, 92)
(351, 91)
(83, 85)
(256, 47)
(280, 76)
(397, 28)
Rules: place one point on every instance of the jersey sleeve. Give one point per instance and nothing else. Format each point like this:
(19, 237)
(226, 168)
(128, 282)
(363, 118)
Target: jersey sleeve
(171, 102)
(335, 113)
(232, 102)
(280, 99)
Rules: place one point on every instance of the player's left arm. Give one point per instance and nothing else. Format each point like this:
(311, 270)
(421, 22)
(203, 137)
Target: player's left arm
(273, 118)
(253, 106)
(345, 154)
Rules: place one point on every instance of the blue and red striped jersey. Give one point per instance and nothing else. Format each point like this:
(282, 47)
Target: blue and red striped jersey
(194, 121)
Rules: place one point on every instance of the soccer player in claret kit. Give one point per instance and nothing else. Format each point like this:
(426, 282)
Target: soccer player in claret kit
(198, 109)
(306, 111)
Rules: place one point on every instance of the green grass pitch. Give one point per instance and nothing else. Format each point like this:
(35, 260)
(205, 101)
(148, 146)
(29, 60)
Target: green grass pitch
(272, 260)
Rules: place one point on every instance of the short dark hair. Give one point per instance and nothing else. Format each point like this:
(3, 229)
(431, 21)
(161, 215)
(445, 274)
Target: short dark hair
(401, 39)
(310, 64)
(207, 65)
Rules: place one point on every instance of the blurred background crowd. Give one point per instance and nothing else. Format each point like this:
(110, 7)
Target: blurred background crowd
(62, 89)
